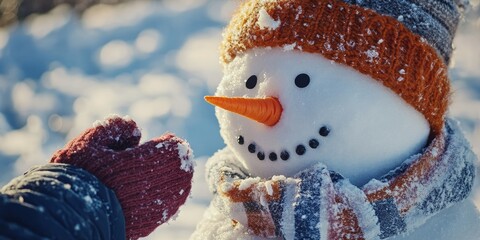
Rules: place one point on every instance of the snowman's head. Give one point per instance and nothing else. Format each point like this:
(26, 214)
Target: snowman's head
(284, 111)
(331, 82)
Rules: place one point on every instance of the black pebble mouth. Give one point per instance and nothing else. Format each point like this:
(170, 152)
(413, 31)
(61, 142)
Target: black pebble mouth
(284, 155)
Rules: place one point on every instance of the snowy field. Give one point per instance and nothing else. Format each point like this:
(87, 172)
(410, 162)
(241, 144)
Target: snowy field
(153, 61)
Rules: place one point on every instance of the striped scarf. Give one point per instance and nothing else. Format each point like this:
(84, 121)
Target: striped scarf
(320, 204)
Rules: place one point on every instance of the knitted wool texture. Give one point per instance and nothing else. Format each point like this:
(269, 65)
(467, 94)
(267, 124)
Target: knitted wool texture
(434, 20)
(397, 203)
(151, 180)
(374, 44)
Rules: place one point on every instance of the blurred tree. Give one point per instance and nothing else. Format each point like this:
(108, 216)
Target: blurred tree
(8, 10)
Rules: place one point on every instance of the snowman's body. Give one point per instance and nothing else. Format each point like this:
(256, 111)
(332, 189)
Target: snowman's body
(331, 114)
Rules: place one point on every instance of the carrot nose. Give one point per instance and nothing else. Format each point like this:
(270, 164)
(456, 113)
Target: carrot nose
(264, 110)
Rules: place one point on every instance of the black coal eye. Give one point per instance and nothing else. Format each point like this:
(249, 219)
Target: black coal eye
(324, 131)
(302, 80)
(251, 82)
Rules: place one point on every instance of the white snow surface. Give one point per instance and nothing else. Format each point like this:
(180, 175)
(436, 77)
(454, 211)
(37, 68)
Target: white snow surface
(265, 21)
(54, 84)
(186, 156)
(247, 183)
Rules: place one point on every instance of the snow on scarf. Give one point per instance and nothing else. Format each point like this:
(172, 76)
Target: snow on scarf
(320, 204)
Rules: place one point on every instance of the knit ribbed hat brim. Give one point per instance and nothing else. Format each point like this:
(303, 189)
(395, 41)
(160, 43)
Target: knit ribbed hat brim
(376, 45)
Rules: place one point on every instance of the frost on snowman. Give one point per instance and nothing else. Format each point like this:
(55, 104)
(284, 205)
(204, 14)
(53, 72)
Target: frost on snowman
(323, 139)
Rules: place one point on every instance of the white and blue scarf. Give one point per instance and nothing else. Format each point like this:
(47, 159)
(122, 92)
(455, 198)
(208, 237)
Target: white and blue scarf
(320, 204)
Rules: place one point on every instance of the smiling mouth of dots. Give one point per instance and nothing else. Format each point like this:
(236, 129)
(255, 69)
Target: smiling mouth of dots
(300, 149)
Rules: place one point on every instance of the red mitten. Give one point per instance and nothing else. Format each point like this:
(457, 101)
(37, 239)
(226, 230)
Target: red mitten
(151, 180)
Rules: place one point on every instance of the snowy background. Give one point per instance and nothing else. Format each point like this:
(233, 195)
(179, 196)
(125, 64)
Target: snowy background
(153, 61)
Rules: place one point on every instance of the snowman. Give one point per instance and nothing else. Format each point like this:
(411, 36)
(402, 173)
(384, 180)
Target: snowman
(333, 113)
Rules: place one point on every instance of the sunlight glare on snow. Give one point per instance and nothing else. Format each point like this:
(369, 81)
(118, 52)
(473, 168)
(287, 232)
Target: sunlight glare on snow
(55, 79)
(148, 108)
(199, 56)
(22, 95)
(116, 53)
(26, 101)
(222, 11)
(183, 106)
(148, 41)
(19, 140)
(40, 26)
(182, 5)
(466, 106)
(465, 103)
(161, 84)
(466, 58)
(3, 38)
(107, 17)
(56, 123)
(25, 142)
(152, 96)
(156, 84)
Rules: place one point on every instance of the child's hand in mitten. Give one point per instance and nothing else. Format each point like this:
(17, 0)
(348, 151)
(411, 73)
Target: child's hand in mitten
(151, 180)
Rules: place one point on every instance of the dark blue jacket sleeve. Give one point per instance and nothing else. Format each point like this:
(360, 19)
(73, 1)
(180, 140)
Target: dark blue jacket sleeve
(59, 201)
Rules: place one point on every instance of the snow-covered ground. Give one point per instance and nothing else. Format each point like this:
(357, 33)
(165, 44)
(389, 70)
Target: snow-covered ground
(153, 61)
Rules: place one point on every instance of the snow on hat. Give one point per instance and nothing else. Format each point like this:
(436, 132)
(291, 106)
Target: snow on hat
(404, 44)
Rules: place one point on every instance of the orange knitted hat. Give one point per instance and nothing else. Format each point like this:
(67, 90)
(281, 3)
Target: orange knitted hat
(372, 43)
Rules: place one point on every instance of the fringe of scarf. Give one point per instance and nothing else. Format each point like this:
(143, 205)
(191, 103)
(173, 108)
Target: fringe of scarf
(320, 204)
